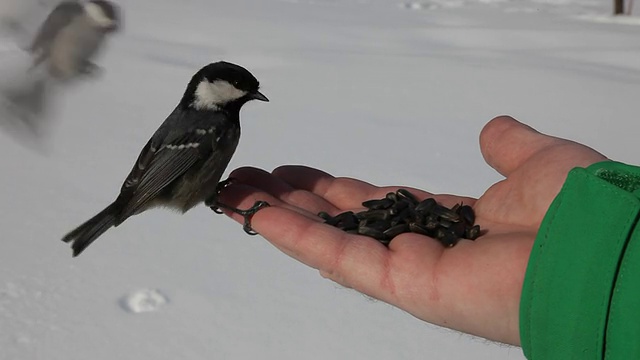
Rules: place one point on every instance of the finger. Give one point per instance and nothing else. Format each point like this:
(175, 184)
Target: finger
(353, 261)
(348, 193)
(261, 179)
(304, 177)
(506, 143)
(242, 196)
(281, 190)
(344, 193)
(305, 239)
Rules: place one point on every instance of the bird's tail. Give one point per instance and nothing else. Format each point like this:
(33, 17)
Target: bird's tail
(24, 104)
(29, 97)
(88, 232)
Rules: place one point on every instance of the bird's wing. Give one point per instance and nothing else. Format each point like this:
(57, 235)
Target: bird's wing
(161, 162)
(57, 19)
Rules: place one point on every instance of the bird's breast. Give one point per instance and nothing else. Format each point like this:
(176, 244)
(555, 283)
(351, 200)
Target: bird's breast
(200, 182)
(77, 43)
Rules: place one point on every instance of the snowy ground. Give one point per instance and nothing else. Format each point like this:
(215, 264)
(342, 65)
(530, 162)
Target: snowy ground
(388, 91)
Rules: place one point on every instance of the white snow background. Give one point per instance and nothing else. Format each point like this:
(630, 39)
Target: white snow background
(391, 92)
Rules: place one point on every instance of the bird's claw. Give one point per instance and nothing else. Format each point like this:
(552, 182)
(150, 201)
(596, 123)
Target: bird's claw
(217, 210)
(224, 184)
(213, 203)
(247, 214)
(90, 69)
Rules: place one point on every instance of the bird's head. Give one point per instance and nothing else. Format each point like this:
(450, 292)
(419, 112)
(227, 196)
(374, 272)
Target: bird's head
(221, 85)
(103, 14)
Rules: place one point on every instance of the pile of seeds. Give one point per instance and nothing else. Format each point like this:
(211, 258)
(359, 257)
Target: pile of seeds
(401, 212)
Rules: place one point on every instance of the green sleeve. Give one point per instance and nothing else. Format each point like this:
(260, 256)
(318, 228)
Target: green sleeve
(581, 293)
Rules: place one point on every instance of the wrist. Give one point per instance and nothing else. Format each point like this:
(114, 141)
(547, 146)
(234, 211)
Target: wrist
(573, 278)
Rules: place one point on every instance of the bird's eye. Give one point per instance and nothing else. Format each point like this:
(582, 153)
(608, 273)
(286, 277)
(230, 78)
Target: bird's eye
(236, 83)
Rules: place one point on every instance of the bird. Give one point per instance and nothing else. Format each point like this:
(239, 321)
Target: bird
(181, 165)
(72, 34)
(61, 52)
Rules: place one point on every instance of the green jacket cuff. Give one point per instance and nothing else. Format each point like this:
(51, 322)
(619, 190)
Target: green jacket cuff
(581, 294)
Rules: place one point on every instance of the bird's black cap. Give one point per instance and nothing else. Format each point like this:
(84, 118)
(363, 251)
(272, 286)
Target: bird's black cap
(111, 11)
(234, 74)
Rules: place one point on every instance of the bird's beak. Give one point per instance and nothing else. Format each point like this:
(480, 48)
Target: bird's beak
(257, 95)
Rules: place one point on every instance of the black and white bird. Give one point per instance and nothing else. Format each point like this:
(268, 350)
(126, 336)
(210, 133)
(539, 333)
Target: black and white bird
(183, 162)
(72, 35)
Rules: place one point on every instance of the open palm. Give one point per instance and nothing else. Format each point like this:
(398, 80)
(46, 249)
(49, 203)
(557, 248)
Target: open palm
(473, 287)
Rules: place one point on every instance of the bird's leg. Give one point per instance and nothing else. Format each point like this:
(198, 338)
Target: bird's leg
(90, 69)
(213, 201)
(247, 214)
(38, 59)
(216, 206)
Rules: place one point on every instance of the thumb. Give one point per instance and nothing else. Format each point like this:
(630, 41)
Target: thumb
(506, 143)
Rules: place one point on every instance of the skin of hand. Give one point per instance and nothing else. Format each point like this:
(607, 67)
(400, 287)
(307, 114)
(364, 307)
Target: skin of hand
(473, 287)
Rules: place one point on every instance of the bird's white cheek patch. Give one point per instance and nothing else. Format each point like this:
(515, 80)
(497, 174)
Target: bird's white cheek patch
(211, 95)
(96, 14)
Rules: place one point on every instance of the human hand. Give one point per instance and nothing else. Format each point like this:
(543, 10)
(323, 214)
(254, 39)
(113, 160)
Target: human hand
(472, 287)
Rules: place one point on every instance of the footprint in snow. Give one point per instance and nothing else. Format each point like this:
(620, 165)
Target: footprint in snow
(143, 300)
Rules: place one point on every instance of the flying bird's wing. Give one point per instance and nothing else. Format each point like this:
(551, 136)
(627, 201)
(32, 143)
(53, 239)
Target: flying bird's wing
(57, 19)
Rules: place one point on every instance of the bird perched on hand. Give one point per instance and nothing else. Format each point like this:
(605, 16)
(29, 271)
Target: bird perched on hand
(183, 162)
(72, 35)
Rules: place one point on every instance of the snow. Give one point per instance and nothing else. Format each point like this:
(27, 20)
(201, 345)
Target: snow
(393, 92)
(143, 300)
